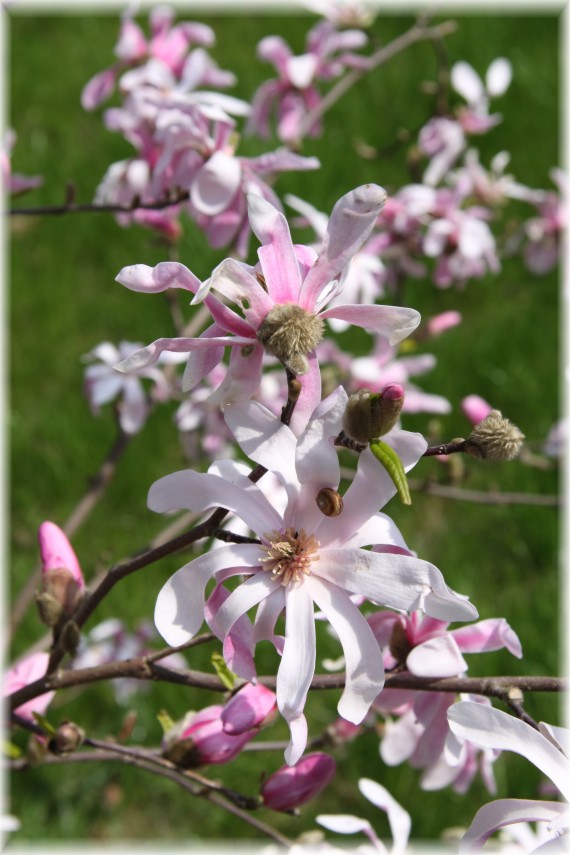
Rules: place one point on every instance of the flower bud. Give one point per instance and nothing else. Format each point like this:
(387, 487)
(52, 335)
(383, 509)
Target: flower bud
(370, 415)
(293, 786)
(495, 438)
(289, 332)
(67, 738)
(62, 579)
(199, 740)
(329, 502)
(250, 708)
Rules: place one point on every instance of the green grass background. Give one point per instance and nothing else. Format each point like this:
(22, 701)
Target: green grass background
(62, 300)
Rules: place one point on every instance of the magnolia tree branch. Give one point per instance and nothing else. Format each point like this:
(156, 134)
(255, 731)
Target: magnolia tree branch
(147, 668)
(419, 32)
(151, 761)
(90, 207)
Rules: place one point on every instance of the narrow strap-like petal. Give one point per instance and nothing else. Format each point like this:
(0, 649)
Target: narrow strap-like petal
(393, 322)
(277, 256)
(297, 665)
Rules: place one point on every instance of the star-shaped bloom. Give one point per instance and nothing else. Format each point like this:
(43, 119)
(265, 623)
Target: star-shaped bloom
(283, 300)
(304, 557)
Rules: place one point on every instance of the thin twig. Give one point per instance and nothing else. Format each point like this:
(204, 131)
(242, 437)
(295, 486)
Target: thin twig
(452, 447)
(91, 207)
(417, 33)
(486, 497)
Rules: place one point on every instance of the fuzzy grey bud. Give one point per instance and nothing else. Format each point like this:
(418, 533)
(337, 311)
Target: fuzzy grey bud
(289, 332)
(495, 438)
(370, 415)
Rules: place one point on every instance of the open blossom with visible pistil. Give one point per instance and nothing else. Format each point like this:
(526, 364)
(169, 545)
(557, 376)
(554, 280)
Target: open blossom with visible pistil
(283, 300)
(304, 558)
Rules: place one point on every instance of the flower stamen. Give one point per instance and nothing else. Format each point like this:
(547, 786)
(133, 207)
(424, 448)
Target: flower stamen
(289, 555)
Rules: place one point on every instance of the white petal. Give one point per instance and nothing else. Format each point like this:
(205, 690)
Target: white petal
(298, 740)
(437, 657)
(179, 610)
(243, 598)
(499, 76)
(491, 728)
(301, 69)
(363, 657)
(504, 812)
(343, 823)
(196, 491)
(298, 661)
(399, 819)
(467, 82)
(215, 184)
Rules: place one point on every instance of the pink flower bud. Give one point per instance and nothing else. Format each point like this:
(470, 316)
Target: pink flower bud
(475, 408)
(200, 740)
(62, 579)
(293, 786)
(248, 709)
(443, 321)
(392, 392)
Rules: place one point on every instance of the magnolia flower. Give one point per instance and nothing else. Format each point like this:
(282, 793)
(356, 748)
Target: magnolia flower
(62, 579)
(294, 94)
(398, 818)
(475, 118)
(103, 384)
(283, 301)
(548, 749)
(26, 671)
(475, 408)
(303, 557)
(14, 182)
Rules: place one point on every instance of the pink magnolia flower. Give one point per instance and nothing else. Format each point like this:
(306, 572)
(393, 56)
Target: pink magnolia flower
(103, 384)
(442, 322)
(14, 182)
(283, 300)
(548, 749)
(544, 232)
(167, 44)
(62, 580)
(420, 733)
(294, 93)
(251, 707)
(304, 557)
(26, 671)
(293, 786)
(398, 818)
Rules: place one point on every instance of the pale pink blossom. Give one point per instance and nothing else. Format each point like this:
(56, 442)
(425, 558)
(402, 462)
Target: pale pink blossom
(103, 384)
(442, 322)
(293, 275)
(62, 580)
(26, 671)
(57, 553)
(200, 739)
(303, 557)
(294, 93)
(475, 118)
(293, 786)
(250, 707)
(14, 182)
(548, 749)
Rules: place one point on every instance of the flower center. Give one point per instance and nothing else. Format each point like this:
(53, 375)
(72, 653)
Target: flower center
(289, 332)
(289, 554)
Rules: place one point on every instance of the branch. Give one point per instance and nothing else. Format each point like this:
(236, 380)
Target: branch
(446, 448)
(486, 497)
(419, 32)
(91, 207)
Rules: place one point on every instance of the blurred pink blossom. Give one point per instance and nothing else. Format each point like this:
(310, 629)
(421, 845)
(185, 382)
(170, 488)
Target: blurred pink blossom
(293, 786)
(26, 671)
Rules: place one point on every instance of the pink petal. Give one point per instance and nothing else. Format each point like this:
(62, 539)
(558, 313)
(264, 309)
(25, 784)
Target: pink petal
(238, 649)
(202, 361)
(237, 282)
(301, 70)
(277, 256)
(364, 666)
(393, 322)
(151, 353)
(244, 597)
(56, 552)
(268, 612)
(134, 407)
(242, 377)
(98, 89)
(309, 397)
(351, 222)
(490, 634)
(24, 672)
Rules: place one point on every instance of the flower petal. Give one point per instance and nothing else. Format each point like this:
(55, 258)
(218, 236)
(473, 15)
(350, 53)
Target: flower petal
(179, 610)
(277, 256)
(491, 728)
(437, 657)
(398, 818)
(502, 812)
(490, 634)
(498, 77)
(309, 397)
(351, 222)
(298, 740)
(215, 184)
(267, 614)
(150, 354)
(243, 598)
(242, 377)
(343, 823)
(467, 82)
(196, 491)
(393, 322)
(297, 664)
(237, 282)
(363, 657)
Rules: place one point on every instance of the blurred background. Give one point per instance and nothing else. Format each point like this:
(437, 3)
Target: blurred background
(62, 301)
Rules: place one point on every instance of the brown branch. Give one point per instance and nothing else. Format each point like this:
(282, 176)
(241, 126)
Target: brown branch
(486, 497)
(419, 32)
(446, 448)
(91, 207)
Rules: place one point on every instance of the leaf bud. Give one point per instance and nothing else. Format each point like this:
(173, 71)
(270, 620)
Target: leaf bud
(369, 415)
(68, 737)
(495, 438)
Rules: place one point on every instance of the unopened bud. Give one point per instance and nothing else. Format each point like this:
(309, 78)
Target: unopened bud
(289, 332)
(68, 738)
(199, 740)
(293, 786)
(495, 438)
(370, 415)
(62, 580)
(251, 707)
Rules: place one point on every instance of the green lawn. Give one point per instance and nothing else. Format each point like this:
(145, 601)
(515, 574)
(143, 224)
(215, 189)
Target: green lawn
(62, 300)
